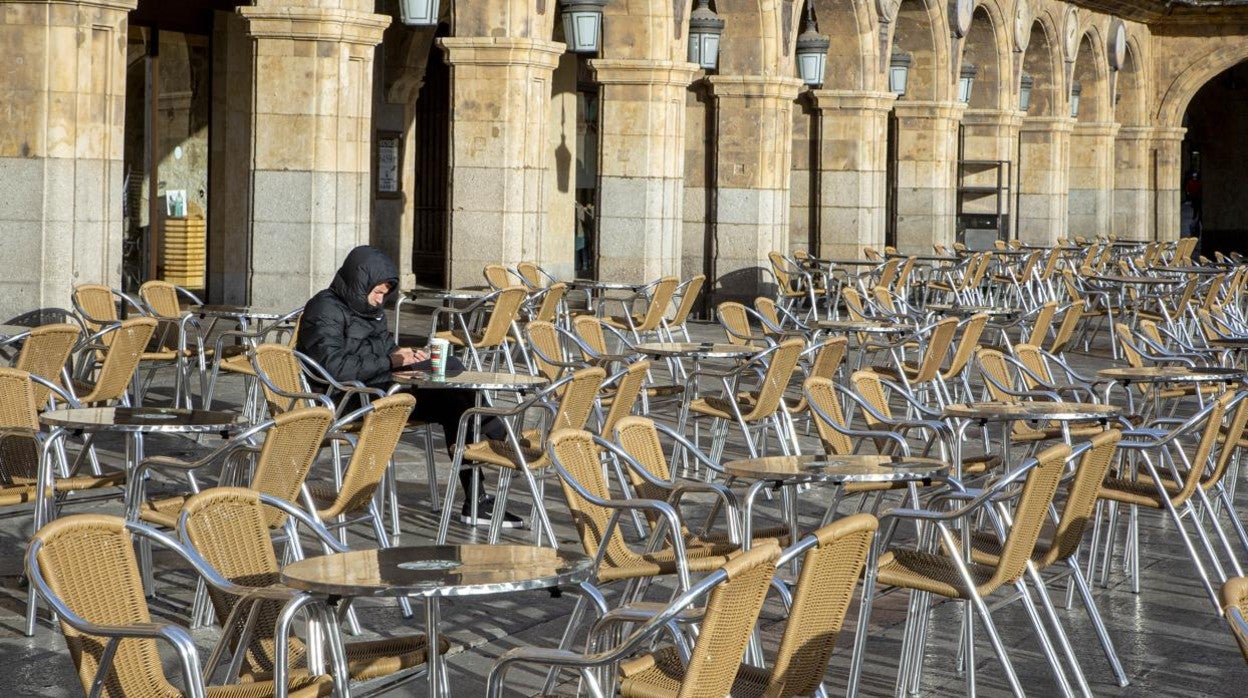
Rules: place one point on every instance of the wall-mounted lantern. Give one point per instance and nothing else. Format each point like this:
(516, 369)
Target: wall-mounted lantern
(966, 81)
(705, 28)
(1024, 91)
(582, 25)
(418, 13)
(899, 72)
(812, 51)
(1076, 93)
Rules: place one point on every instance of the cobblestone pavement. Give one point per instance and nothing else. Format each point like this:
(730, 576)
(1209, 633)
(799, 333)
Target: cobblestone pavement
(1169, 640)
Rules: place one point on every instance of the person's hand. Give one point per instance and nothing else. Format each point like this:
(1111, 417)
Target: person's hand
(421, 354)
(402, 357)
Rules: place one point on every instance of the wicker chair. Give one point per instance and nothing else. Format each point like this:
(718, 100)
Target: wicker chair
(497, 276)
(685, 296)
(179, 333)
(737, 591)
(97, 307)
(84, 566)
(45, 353)
(494, 338)
(650, 323)
(1005, 378)
(228, 528)
(1183, 481)
(1059, 543)
(748, 408)
(735, 319)
(925, 372)
(122, 350)
(620, 394)
(523, 450)
(938, 568)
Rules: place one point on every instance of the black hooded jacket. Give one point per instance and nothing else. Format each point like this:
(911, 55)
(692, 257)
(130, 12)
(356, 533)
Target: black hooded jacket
(341, 331)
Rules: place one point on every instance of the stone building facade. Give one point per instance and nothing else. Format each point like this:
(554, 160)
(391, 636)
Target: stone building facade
(328, 123)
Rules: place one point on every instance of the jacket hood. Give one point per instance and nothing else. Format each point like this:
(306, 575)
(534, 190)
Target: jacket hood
(364, 268)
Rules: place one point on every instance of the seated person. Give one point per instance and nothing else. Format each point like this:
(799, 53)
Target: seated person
(343, 328)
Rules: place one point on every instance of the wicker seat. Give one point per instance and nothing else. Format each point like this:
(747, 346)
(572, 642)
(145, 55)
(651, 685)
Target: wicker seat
(944, 573)
(85, 567)
(523, 451)
(1235, 605)
(229, 529)
(926, 372)
(235, 359)
(685, 296)
(96, 305)
(737, 591)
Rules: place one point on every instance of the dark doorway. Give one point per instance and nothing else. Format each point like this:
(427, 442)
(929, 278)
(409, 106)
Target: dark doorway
(432, 160)
(1215, 163)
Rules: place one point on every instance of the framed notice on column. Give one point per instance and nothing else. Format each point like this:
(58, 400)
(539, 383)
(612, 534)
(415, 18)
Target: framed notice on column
(388, 164)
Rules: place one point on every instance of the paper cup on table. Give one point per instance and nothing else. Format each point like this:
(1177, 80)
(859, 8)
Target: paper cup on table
(438, 351)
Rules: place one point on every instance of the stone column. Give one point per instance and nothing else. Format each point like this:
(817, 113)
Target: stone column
(990, 135)
(753, 154)
(1168, 143)
(853, 150)
(61, 142)
(500, 100)
(1043, 173)
(1133, 198)
(927, 155)
(641, 168)
(311, 141)
(1091, 181)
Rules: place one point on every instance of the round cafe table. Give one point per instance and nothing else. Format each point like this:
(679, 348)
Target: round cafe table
(1157, 377)
(470, 380)
(434, 572)
(695, 350)
(134, 422)
(1006, 413)
(776, 472)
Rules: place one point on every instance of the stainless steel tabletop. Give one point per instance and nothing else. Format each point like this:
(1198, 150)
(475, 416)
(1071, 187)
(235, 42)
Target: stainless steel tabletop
(869, 326)
(606, 285)
(991, 311)
(703, 350)
(1008, 411)
(143, 420)
(455, 294)
(1172, 374)
(238, 311)
(470, 380)
(837, 469)
(438, 570)
(1139, 280)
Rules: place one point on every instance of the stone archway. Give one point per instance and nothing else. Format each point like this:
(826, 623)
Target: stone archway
(837, 185)
(1091, 164)
(988, 137)
(1044, 139)
(921, 190)
(1214, 152)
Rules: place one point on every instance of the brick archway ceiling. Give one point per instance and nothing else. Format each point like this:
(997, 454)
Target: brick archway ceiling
(1171, 11)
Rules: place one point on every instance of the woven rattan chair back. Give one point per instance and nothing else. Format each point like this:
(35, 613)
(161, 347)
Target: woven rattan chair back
(1066, 330)
(868, 386)
(578, 399)
(735, 321)
(775, 380)
(872, 254)
(17, 402)
(98, 303)
(823, 396)
(121, 359)
(1126, 340)
(829, 357)
(290, 447)
(1029, 516)
(688, 293)
(825, 587)
(624, 399)
(1228, 442)
(1050, 265)
(766, 308)
(853, 304)
(162, 298)
(545, 342)
(1041, 322)
(1081, 496)
(281, 368)
(938, 344)
(888, 274)
(589, 330)
(497, 276)
(996, 370)
(780, 268)
(660, 303)
(378, 437)
(971, 333)
(19, 452)
(532, 275)
(89, 563)
(229, 528)
(548, 311)
(903, 275)
(505, 311)
(731, 613)
(578, 458)
(1034, 361)
(45, 354)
